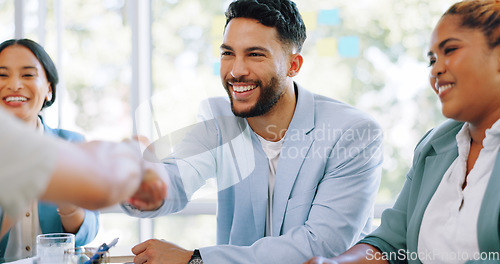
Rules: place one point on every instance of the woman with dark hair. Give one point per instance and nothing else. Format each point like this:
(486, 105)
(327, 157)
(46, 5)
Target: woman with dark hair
(449, 208)
(28, 79)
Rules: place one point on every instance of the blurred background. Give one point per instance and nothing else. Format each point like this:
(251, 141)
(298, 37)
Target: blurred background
(142, 66)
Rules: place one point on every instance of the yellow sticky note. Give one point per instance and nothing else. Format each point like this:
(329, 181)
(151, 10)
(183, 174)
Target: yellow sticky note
(216, 47)
(327, 47)
(310, 19)
(218, 23)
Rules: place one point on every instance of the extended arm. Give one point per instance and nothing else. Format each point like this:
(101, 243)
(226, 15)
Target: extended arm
(95, 174)
(91, 175)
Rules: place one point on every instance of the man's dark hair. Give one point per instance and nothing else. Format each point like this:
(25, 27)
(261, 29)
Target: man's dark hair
(280, 14)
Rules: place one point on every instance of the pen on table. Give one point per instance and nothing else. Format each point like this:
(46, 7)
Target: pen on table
(101, 251)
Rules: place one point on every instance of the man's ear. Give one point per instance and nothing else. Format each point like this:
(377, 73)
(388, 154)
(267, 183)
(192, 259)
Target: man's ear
(296, 61)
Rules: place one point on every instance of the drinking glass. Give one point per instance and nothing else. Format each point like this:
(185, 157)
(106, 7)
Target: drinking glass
(55, 248)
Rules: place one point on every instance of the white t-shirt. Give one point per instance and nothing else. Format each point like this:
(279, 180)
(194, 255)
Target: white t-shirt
(272, 150)
(448, 232)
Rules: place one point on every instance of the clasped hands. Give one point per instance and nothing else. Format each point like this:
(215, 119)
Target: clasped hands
(150, 196)
(153, 189)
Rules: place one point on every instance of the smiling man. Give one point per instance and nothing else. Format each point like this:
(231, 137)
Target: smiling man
(297, 173)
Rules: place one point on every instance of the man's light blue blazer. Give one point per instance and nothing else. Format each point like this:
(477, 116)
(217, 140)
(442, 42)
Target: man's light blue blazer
(327, 178)
(50, 221)
(400, 226)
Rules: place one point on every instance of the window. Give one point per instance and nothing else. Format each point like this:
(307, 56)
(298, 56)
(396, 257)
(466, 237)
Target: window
(7, 19)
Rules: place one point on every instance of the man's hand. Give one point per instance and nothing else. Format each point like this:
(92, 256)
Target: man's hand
(153, 189)
(156, 251)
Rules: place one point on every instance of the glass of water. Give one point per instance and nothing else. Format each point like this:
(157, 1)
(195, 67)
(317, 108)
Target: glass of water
(55, 248)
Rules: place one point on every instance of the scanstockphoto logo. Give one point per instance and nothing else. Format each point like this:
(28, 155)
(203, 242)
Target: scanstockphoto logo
(432, 255)
(323, 152)
(328, 132)
(321, 143)
(202, 150)
(205, 136)
(330, 142)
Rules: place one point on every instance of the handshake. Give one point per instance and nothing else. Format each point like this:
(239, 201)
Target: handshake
(98, 174)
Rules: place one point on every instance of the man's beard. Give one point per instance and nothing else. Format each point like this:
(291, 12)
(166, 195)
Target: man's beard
(269, 96)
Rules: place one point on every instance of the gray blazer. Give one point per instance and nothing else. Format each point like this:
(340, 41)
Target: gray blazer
(399, 230)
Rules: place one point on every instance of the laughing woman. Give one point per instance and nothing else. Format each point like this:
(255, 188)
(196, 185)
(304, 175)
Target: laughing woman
(449, 208)
(28, 79)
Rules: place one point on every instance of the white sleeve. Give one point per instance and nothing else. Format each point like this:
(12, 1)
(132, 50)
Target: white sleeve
(27, 161)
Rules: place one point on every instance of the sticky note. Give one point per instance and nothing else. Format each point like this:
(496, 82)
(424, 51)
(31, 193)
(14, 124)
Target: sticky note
(326, 47)
(310, 19)
(349, 47)
(216, 47)
(218, 23)
(216, 68)
(329, 17)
